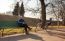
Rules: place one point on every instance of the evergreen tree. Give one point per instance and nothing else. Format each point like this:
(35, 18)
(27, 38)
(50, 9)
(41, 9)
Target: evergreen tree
(22, 10)
(16, 9)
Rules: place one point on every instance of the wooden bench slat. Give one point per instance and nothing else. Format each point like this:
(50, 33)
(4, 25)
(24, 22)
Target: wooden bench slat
(5, 24)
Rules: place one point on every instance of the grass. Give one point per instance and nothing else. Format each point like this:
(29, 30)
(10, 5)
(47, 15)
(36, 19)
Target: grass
(11, 31)
(59, 27)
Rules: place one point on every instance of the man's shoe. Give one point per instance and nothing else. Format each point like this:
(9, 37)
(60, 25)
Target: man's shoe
(30, 28)
(27, 33)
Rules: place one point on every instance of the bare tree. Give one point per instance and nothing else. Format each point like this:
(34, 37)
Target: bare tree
(62, 12)
(58, 9)
(43, 13)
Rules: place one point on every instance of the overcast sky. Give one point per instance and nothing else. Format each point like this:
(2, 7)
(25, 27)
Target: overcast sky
(7, 5)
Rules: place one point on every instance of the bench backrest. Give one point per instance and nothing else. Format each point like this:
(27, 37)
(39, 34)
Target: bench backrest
(8, 24)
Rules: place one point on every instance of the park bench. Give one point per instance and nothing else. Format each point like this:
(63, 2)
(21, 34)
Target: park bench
(7, 24)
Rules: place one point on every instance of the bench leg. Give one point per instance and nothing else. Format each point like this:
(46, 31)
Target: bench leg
(2, 32)
(36, 29)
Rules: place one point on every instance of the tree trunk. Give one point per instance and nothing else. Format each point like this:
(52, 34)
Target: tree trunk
(43, 13)
(63, 21)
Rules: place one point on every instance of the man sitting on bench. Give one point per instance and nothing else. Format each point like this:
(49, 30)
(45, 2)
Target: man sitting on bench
(22, 23)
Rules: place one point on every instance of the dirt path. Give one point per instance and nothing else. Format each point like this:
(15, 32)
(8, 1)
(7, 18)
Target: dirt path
(50, 35)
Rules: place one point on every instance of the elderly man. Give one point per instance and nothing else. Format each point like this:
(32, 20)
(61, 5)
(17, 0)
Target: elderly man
(22, 23)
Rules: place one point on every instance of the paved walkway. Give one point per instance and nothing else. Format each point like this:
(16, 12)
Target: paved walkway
(50, 35)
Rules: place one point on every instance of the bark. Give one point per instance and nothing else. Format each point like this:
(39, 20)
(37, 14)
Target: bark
(43, 13)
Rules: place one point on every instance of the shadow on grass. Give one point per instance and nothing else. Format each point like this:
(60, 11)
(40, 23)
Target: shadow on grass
(21, 37)
(58, 34)
(62, 30)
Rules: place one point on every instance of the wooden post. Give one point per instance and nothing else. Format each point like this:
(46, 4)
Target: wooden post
(2, 32)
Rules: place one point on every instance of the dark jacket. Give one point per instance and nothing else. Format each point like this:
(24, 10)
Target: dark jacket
(21, 23)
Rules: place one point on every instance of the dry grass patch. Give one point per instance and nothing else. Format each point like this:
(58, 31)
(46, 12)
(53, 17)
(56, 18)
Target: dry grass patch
(10, 31)
(59, 27)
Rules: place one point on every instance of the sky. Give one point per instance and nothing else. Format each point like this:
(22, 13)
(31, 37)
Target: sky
(5, 5)
(8, 5)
